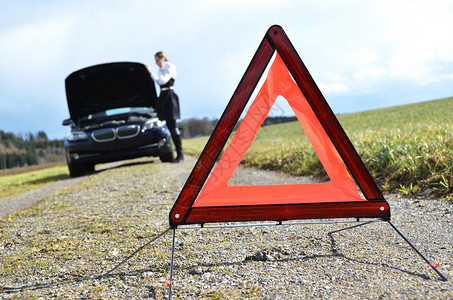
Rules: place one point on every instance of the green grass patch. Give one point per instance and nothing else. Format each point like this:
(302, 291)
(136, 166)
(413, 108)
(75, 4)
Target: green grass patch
(406, 148)
(194, 146)
(20, 183)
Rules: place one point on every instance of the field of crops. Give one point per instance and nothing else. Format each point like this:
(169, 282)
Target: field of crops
(406, 148)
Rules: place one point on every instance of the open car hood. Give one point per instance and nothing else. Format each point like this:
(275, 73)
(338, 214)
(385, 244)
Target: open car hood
(106, 86)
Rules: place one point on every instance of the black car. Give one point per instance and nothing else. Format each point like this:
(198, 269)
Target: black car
(112, 117)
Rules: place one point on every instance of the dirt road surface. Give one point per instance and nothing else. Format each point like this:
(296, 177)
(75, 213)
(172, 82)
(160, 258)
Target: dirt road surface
(64, 245)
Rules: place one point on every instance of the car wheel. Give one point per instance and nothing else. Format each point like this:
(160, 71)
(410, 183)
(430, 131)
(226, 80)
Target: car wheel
(167, 154)
(76, 170)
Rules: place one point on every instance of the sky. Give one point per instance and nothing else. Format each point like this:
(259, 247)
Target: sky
(362, 54)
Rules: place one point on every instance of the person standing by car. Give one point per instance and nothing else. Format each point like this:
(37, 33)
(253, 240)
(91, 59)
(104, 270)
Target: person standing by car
(168, 102)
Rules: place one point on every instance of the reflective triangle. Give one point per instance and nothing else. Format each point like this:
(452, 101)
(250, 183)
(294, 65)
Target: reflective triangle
(207, 197)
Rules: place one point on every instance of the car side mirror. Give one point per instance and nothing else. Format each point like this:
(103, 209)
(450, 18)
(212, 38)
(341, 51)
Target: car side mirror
(67, 122)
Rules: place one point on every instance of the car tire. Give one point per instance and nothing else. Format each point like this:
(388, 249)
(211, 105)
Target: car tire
(76, 170)
(167, 154)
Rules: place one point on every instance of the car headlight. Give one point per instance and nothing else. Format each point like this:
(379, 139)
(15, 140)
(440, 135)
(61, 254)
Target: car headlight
(155, 122)
(74, 136)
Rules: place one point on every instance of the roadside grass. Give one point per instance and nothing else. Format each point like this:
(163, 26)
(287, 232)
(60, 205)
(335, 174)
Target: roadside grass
(15, 184)
(406, 148)
(25, 169)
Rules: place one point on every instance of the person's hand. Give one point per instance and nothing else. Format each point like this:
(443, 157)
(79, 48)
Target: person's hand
(149, 69)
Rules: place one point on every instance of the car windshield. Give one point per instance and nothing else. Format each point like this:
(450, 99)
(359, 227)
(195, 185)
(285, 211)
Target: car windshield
(118, 111)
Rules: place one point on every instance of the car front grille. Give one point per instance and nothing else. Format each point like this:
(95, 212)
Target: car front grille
(125, 132)
(110, 134)
(103, 135)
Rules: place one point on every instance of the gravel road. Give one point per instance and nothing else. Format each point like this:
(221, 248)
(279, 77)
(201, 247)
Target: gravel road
(65, 246)
(28, 199)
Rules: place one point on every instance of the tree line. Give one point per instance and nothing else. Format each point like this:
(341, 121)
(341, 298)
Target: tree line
(17, 150)
(193, 127)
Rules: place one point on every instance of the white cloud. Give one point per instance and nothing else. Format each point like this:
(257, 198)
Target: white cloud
(417, 37)
(350, 47)
(35, 45)
(370, 73)
(333, 88)
(369, 43)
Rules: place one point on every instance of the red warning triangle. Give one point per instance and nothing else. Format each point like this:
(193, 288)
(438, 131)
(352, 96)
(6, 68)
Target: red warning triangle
(207, 197)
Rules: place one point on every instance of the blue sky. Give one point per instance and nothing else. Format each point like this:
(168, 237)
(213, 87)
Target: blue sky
(362, 54)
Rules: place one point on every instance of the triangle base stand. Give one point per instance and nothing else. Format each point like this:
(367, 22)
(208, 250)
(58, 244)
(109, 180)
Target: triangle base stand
(443, 278)
(360, 223)
(418, 252)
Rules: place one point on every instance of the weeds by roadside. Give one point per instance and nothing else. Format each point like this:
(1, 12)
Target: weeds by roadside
(406, 148)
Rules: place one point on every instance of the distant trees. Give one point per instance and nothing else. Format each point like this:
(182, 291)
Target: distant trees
(201, 127)
(18, 150)
(197, 127)
(278, 120)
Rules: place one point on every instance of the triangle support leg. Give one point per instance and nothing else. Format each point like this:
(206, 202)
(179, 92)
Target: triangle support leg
(139, 249)
(354, 226)
(419, 253)
(170, 283)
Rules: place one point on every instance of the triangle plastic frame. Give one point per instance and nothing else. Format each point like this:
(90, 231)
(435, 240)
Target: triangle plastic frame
(375, 206)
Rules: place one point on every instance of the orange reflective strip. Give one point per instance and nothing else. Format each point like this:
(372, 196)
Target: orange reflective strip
(204, 193)
(341, 187)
